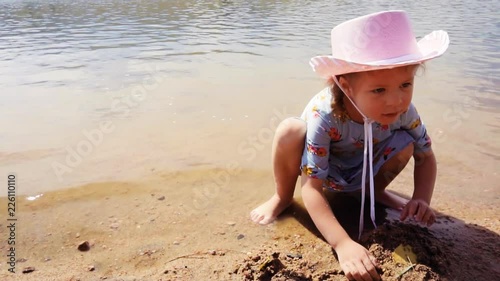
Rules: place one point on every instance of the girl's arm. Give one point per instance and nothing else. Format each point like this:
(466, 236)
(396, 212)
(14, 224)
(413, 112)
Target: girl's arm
(424, 175)
(424, 179)
(354, 259)
(319, 209)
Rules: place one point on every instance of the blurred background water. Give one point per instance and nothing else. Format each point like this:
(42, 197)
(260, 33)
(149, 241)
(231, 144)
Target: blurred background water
(183, 84)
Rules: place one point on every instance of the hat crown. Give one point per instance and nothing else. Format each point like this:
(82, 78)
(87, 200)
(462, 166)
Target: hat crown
(374, 37)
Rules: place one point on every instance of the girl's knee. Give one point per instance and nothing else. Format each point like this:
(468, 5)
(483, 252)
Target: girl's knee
(406, 153)
(391, 169)
(291, 131)
(400, 160)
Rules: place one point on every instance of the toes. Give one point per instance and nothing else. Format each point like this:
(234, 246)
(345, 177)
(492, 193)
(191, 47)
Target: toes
(266, 220)
(259, 218)
(256, 217)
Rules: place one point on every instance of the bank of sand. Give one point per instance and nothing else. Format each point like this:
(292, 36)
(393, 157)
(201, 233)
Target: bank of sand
(181, 226)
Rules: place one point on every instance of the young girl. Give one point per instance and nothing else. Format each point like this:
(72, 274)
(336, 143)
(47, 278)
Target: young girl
(362, 126)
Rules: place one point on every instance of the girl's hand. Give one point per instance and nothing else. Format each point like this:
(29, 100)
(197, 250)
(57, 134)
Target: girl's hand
(420, 210)
(356, 262)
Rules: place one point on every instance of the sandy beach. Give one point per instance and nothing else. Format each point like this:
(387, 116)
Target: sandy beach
(143, 231)
(140, 137)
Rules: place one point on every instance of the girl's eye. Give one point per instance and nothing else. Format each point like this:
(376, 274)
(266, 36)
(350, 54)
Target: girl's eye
(378, 90)
(406, 85)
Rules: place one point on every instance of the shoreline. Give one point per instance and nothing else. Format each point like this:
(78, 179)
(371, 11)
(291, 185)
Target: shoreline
(153, 229)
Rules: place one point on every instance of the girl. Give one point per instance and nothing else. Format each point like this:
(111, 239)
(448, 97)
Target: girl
(362, 126)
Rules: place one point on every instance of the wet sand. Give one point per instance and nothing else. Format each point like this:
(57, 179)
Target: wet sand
(181, 226)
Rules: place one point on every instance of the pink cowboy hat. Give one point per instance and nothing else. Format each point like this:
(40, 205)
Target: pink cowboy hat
(378, 41)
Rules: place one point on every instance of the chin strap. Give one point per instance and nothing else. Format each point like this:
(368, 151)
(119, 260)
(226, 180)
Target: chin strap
(367, 158)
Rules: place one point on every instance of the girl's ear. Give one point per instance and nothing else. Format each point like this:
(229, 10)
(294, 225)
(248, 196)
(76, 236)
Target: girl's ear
(345, 86)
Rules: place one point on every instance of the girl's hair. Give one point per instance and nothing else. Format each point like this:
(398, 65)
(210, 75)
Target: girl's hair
(338, 97)
(337, 104)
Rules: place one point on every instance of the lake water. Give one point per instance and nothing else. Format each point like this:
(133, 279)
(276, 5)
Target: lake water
(115, 90)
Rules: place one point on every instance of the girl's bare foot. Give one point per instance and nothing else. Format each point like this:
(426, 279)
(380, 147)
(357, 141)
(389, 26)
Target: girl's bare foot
(390, 200)
(269, 210)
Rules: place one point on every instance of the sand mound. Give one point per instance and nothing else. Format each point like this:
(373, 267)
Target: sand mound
(431, 253)
(431, 264)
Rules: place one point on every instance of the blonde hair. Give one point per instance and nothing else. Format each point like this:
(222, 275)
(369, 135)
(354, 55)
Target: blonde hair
(337, 104)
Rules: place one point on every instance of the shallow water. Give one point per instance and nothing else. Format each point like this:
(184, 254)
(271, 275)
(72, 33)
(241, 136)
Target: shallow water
(187, 84)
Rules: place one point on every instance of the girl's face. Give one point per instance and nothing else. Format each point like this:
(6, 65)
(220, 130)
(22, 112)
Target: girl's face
(382, 95)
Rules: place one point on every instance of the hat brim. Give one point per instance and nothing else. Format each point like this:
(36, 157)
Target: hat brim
(431, 46)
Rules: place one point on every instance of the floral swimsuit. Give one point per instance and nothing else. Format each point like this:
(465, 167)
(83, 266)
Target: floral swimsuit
(334, 146)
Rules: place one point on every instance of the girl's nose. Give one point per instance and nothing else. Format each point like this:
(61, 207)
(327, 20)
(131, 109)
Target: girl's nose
(395, 98)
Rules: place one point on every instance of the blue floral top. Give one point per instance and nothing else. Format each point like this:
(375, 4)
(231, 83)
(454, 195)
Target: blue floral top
(334, 143)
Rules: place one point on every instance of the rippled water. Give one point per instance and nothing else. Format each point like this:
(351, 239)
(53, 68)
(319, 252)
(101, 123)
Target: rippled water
(92, 44)
(64, 63)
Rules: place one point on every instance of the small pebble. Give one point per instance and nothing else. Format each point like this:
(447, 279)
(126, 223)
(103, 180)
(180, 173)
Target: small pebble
(91, 268)
(148, 252)
(114, 225)
(256, 258)
(21, 260)
(47, 259)
(84, 246)
(294, 256)
(176, 243)
(231, 223)
(240, 236)
(28, 269)
(77, 235)
(161, 198)
(212, 252)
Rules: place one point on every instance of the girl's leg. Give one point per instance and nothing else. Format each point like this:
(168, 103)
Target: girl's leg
(387, 173)
(287, 148)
